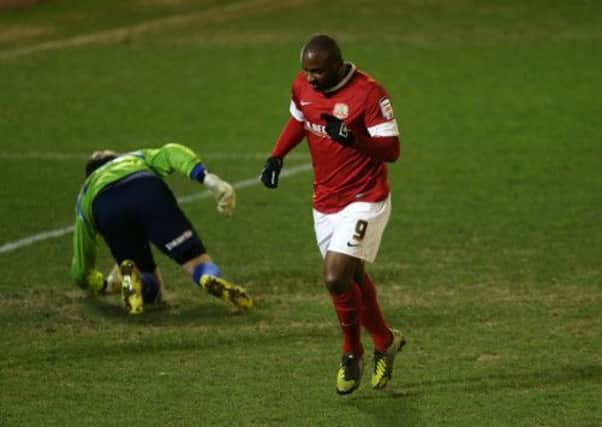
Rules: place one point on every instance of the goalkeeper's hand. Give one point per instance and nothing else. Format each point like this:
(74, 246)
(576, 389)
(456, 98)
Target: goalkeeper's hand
(222, 191)
(271, 172)
(338, 130)
(113, 281)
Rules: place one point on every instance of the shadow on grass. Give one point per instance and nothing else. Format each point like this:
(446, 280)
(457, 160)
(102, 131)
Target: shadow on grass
(387, 407)
(168, 313)
(393, 406)
(144, 345)
(162, 329)
(515, 381)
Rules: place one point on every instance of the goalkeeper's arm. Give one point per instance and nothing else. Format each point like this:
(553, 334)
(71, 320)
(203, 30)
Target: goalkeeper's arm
(176, 157)
(222, 191)
(83, 263)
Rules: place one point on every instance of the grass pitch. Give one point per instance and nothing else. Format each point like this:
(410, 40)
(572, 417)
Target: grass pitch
(490, 264)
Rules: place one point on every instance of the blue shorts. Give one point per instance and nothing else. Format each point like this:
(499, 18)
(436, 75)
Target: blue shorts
(138, 210)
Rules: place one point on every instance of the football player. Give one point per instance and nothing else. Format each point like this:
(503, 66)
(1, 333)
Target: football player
(126, 201)
(348, 121)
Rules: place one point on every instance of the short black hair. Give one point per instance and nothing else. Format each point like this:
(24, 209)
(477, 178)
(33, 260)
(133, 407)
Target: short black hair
(323, 43)
(99, 158)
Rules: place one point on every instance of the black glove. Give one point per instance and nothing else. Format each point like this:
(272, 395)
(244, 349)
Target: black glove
(271, 171)
(338, 130)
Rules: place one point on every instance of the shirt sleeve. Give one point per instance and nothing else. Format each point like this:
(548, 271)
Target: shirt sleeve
(83, 263)
(295, 112)
(295, 106)
(289, 138)
(171, 158)
(379, 118)
(381, 139)
(294, 129)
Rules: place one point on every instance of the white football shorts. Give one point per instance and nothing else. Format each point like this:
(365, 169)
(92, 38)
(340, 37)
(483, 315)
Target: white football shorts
(356, 230)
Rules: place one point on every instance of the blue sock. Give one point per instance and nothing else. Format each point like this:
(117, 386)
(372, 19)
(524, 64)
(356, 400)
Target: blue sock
(150, 287)
(208, 268)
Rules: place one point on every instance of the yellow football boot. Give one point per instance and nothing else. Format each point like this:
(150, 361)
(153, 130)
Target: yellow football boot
(131, 287)
(383, 361)
(350, 373)
(230, 293)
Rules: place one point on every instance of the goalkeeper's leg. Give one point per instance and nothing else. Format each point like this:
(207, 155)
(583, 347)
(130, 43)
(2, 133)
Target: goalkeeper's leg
(138, 287)
(131, 287)
(208, 276)
(180, 241)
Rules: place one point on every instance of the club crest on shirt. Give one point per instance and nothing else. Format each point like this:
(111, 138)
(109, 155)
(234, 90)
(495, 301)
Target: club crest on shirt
(386, 108)
(340, 110)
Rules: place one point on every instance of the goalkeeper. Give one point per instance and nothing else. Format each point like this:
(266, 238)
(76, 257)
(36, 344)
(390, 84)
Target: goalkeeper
(125, 200)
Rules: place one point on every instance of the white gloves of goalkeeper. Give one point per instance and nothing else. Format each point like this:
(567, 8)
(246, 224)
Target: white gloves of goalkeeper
(222, 191)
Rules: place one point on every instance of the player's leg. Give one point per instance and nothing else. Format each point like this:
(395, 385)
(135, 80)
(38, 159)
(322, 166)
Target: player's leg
(371, 316)
(359, 235)
(151, 285)
(338, 276)
(208, 276)
(160, 282)
(387, 342)
(155, 282)
(129, 246)
(346, 298)
(168, 228)
(139, 280)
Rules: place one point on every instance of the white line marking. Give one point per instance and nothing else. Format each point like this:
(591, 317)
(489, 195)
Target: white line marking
(11, 246)
(245, 183)
(210, 16)
(43, 156)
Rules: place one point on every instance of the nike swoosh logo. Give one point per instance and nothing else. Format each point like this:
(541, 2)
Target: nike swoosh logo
(351, 245)
(303, 103)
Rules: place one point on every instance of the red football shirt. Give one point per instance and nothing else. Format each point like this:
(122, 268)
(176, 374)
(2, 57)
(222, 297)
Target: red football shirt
(343, 175)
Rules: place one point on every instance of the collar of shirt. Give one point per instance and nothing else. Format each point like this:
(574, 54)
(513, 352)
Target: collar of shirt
(344, 80)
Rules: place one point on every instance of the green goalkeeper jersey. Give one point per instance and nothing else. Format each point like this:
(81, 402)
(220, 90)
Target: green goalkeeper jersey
(162, 162)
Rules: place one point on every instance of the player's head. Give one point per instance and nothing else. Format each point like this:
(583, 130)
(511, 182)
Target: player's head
(322, 62)
(99, 158)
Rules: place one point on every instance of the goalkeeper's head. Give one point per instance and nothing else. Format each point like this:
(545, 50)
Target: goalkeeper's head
(99, 158)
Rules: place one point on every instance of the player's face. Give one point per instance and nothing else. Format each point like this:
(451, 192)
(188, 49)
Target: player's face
(321, 71)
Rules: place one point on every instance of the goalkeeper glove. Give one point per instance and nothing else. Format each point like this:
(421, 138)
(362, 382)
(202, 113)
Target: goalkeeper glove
(338, 130)
(271, 172)
(113, 281)
(223, 193)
